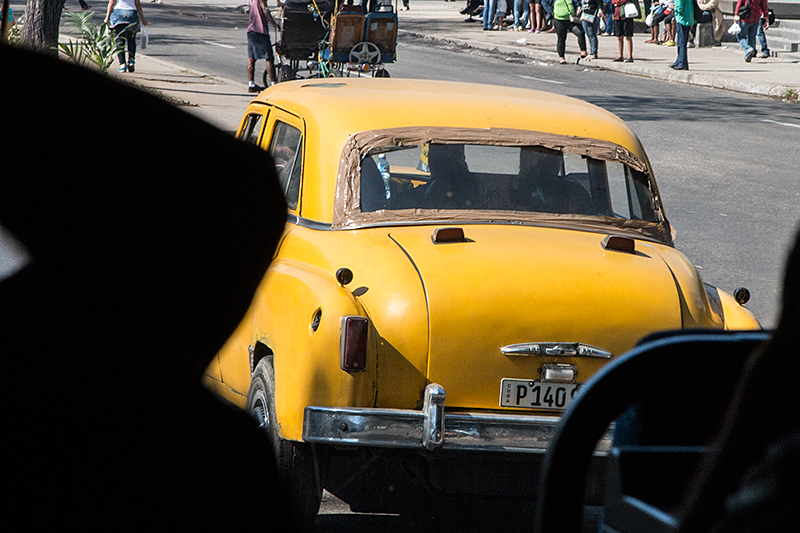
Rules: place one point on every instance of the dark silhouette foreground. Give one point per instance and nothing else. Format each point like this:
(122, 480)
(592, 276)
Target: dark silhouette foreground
(148, 232)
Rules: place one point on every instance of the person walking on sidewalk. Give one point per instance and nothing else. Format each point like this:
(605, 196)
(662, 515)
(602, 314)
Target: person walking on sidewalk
(748, 15)
(684, 16)
(566, 15)
(124, 18)
(259, 45)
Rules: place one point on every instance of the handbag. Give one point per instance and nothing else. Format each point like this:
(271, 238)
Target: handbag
(744, 11)
(587, 17)
(631, 10)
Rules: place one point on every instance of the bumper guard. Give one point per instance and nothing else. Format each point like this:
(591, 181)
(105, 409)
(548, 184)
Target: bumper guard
(432, 428)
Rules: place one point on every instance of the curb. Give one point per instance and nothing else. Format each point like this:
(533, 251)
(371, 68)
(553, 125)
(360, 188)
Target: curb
(689, 78)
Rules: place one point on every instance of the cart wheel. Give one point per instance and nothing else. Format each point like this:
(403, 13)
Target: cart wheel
(365, 52)
(334, 73)
(285, 73)
(382, 73)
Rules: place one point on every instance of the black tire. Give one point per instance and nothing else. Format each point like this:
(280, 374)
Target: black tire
(298, 465)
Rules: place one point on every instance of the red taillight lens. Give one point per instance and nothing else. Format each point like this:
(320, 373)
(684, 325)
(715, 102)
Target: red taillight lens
(354, 343)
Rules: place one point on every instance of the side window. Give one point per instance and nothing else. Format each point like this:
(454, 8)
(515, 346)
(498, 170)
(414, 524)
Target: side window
(286, 149)
(252, 128)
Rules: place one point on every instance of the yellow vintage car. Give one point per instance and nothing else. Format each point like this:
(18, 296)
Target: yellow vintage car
(457, 260)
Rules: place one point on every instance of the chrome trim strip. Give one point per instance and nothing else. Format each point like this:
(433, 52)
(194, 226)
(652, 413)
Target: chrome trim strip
(307, 223)
(412, 429)
(555, 349)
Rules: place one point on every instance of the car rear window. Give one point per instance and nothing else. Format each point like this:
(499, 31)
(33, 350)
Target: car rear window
(502, 178)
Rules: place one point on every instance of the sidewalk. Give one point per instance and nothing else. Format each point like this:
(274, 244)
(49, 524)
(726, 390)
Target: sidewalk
(438, 23)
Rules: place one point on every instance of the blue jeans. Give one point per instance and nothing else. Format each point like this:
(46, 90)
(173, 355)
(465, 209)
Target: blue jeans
(522, 13)
(762, 38)
(590, 29)
(489, 9)
(609, 11)
(681, 40)
(747, 37)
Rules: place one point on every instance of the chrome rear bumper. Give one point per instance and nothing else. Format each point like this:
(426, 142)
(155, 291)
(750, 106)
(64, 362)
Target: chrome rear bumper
(432, 428)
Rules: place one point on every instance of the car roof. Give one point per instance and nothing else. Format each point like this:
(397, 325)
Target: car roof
(343, 106)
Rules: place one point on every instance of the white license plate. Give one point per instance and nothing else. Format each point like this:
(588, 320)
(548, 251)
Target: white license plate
(537, 394)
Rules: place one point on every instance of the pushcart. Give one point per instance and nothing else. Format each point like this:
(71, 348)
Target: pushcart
(331, 38)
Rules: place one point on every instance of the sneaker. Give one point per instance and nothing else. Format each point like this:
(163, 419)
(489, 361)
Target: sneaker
(131, 66)
(764, 55)
(123, 68)
(749, 55)
(669, 43)
(254, 89)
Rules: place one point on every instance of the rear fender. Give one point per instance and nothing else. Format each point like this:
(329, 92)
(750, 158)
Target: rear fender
(297, 315)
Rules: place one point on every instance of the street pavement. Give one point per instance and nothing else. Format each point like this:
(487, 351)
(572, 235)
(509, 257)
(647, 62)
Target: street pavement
(438, 23)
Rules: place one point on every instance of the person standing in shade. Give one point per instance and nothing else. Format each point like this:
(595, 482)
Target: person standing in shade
(684, 16)
(749, 22)
(259, 45)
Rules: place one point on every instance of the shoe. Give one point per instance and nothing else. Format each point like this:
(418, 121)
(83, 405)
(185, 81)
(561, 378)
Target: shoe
(629, 60)
(254, 89)
(131, 66)
(764, 55)
(578, 61)
(123, 68)
(677, 67)
(618, 60)
(590, 57)
(669, 43)
(470, 19)
(749, 55)
(690, 44)
(562, 61)
(86, 8)
(404, 8)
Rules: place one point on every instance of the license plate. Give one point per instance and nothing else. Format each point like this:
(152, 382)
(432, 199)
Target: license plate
(537, 394)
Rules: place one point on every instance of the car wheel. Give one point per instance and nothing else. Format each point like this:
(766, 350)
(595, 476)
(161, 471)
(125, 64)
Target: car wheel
(383, 73)
(300, 468)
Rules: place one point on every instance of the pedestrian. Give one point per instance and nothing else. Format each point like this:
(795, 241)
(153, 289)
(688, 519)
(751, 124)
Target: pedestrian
(489, 10)
(717, 20)
(748, 14)
(566, 17)
(608, 10)
(125, 17)
(537, 15)
(590, 20)
(684, 16)
(762, 37)
(521, 15)
(623, 29)
(259, 45)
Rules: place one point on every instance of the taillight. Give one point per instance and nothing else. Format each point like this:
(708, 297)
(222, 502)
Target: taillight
(353, 348)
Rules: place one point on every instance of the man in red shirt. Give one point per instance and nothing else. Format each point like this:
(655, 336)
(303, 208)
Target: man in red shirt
(748, 14)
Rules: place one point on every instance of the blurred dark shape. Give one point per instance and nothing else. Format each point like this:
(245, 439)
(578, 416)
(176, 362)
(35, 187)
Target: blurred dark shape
(148, 232)
(749, 482)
